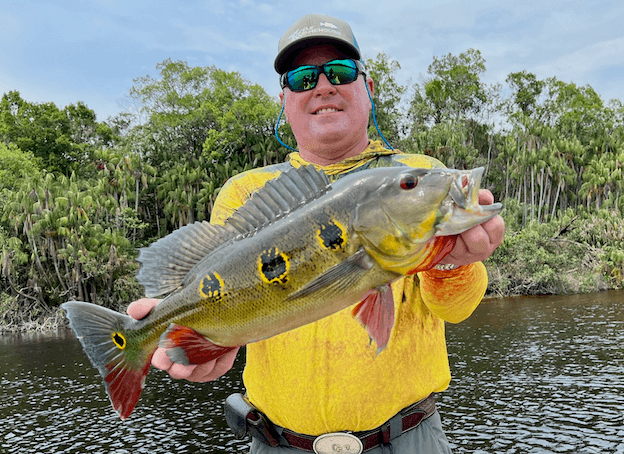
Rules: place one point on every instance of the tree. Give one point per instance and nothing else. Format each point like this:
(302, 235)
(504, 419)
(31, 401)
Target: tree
(16, 164)
(196, 127)
(526, 89)
(388, 97)
(62, 139)
(453, 89)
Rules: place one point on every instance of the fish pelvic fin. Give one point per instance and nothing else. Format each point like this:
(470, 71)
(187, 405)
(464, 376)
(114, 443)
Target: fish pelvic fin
(376, 313)
(113, 348)
(186, 346)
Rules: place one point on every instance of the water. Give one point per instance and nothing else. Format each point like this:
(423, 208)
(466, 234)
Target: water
(531, 375)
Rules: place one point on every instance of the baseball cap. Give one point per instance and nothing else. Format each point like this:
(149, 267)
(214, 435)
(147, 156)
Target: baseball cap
(313, 29)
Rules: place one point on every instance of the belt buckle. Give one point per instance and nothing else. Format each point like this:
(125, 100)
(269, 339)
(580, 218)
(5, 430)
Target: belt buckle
(337, 442)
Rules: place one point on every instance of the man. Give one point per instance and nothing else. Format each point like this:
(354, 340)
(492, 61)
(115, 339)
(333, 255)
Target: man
(324, 378)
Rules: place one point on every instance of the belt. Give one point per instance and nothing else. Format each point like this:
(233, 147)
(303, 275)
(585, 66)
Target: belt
(406, 419)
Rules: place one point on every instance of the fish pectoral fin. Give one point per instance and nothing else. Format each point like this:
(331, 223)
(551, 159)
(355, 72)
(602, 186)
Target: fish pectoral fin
(376, 313)
(186, 346)
(338, 277)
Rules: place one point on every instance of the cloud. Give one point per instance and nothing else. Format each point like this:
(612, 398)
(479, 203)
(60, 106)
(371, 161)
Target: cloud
(68, 51)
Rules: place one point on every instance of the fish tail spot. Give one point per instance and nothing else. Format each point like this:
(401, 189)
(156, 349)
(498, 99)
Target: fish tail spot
(119, 340)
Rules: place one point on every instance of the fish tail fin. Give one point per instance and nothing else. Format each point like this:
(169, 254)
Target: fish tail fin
(187, 346)
(112, 346)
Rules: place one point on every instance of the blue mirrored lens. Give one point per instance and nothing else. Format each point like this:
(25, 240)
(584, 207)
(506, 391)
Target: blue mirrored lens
(304, 78)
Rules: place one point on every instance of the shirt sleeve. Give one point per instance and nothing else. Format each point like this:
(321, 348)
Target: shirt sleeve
(237, 190)
(230, 198)
(454, 295)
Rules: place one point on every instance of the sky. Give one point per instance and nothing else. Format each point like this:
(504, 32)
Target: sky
(90, 51)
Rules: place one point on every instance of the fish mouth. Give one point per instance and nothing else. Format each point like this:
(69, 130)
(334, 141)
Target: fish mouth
(463, 197)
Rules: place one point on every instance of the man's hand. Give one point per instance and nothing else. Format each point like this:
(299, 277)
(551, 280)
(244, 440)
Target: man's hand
(193, 372)
(479, 242)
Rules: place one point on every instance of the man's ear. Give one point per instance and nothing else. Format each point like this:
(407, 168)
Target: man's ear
(282, 97)
(371, 85)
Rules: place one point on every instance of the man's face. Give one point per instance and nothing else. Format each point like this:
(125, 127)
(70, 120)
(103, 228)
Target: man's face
(328, 116)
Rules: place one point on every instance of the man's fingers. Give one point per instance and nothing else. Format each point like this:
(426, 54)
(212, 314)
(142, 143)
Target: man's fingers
(140, 308)
(180, 371)
(495, 229)
(160, 360)
(204, 372)
(485, 197)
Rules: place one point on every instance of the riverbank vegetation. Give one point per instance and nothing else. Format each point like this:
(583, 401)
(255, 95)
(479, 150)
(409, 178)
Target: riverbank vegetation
(79, 196)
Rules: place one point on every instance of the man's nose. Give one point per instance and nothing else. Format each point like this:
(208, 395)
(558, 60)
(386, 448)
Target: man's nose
(323, 86)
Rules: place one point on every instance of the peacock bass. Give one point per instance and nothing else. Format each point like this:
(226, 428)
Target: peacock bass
(300, 249)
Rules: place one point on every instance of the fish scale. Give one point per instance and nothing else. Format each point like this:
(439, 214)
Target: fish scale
(298, 250)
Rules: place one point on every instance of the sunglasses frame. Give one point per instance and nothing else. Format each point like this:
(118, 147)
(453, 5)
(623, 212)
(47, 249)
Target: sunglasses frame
(359, 69)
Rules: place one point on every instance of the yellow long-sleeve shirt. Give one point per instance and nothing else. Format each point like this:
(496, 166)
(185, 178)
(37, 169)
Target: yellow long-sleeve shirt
(325, 376)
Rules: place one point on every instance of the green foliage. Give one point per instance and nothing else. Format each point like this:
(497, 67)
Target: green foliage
(196, 127)
(15, 165)
(526, 89)
(61, 139)
(452, 90)
(388, 96)
(55, 242)
(582, 251)
(80, 196)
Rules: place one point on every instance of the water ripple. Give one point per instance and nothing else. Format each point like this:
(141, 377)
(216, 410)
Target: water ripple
(531, 375)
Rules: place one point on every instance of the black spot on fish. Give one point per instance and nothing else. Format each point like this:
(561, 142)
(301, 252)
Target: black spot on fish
(332, 236)
(211, 286)
(273, 266)
(119, 340)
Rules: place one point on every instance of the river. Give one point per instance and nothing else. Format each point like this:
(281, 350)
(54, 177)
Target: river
(530, 375)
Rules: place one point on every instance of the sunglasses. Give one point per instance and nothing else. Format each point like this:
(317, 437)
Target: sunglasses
(338, 72)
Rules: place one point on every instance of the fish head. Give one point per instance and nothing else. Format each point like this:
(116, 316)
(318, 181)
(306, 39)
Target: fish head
(410, 221)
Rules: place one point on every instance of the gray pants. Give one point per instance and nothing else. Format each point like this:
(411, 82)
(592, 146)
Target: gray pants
(427, 438)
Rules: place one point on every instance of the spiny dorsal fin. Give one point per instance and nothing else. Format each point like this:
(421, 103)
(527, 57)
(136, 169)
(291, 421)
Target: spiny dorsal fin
(280, 196)
(166, 263)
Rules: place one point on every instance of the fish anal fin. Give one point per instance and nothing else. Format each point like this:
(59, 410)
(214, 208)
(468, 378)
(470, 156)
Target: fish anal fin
(187, 346)
(376, 313)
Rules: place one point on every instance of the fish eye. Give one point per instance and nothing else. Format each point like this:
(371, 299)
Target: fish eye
(408, 181)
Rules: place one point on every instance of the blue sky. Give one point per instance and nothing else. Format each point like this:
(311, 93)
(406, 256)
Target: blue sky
(90, 51)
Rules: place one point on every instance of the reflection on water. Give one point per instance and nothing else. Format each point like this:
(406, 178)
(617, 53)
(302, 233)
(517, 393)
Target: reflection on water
(538, 375)
(53, 401)
(531, 375)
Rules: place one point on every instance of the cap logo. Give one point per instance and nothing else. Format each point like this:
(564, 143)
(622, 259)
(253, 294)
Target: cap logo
(328, 25)
(324, 27)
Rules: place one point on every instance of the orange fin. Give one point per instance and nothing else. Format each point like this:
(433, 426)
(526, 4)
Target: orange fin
(186, 346)
(376, 313)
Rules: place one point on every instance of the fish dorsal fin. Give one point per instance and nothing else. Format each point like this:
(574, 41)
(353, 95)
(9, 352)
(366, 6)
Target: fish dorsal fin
(278, 197)
(166, 263)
